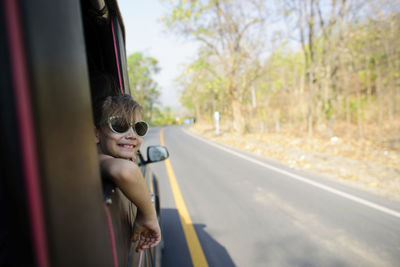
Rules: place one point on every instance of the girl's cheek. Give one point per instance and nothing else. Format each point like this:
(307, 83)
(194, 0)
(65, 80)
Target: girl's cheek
(140, 142)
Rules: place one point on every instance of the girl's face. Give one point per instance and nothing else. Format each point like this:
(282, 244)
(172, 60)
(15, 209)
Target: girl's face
(119, 145)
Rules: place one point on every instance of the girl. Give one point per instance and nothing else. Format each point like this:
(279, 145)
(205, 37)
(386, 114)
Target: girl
(119, 132)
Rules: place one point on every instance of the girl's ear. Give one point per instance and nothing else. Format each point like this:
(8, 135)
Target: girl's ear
(96, 132)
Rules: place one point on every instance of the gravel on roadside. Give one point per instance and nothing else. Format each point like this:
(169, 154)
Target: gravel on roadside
(359, 163)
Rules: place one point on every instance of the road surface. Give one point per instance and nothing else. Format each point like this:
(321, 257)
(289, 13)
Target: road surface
(248, 211)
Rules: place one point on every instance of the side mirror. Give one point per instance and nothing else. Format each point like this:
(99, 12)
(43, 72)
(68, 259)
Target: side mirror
(156, 153)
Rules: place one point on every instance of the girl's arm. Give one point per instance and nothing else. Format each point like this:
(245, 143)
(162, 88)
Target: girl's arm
(129, 179)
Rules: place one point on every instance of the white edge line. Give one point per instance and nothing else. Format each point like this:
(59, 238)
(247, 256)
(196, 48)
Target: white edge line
(303, 179)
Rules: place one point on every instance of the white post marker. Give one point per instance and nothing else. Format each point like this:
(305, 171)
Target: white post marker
(216, 119)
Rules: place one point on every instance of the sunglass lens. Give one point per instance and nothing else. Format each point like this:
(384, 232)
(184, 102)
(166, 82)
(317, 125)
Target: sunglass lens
(119, 125)
(141, 128)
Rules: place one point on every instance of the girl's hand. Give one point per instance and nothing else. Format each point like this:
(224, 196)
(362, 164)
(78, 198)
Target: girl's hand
(147, 232)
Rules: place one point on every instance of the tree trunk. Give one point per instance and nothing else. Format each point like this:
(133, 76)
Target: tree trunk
(347, 110)
(238, 119)
(359, 116)
(378, 95)
(197, 110)
(369, 87)
(310, 105)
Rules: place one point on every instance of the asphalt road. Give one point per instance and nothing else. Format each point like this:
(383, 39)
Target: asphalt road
(249, 211)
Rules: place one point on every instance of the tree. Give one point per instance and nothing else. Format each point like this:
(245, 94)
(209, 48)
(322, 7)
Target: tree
(320, 26)
(165, 116)
(143, 88)
(233, 32)
(202, 86)
(339, 65)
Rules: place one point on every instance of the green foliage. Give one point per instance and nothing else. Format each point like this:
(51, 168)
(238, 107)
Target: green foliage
(202, 87)
(341, 66)
(143, 88)
(163, 117)
(227, 65)
(328, 108)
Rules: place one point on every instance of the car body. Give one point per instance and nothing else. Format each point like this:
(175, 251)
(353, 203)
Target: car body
(56, 210)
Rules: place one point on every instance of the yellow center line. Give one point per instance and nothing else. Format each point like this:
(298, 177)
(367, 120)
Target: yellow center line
(195, 249)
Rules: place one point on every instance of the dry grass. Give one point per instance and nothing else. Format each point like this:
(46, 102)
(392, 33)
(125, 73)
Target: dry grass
(368, 163)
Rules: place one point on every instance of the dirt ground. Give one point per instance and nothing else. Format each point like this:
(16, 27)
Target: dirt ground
(359, 163)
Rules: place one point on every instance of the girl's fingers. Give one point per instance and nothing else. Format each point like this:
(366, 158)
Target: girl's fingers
(146, 240)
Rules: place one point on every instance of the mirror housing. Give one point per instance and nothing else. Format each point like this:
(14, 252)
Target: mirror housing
(156, 154)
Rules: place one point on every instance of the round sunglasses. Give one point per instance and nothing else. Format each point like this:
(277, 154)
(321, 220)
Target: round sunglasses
(120, 125)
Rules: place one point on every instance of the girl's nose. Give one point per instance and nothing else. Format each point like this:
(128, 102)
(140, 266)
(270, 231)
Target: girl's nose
(131, 133)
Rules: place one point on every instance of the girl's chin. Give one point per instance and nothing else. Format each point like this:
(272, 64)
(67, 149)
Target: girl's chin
(129, 156)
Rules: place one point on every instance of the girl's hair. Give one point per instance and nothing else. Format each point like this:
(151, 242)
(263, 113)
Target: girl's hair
(118, 105)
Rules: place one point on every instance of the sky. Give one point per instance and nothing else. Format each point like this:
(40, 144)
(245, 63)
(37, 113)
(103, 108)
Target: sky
(145, 33)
